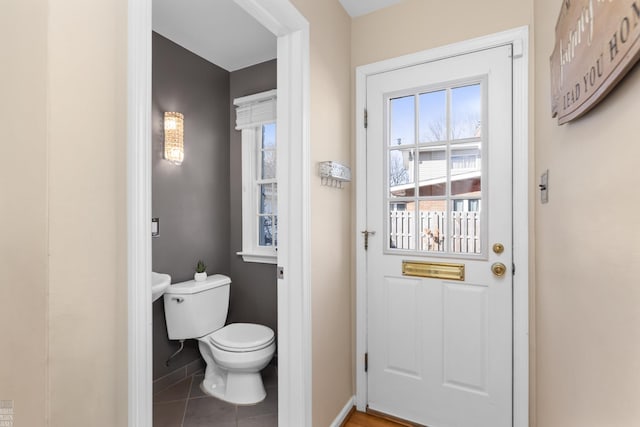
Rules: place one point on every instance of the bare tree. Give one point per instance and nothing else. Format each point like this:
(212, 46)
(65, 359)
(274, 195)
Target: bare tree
(466, 127)
(398, 174)
(436, 130)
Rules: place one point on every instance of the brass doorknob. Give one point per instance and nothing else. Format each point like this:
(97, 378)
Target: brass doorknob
(498, 269)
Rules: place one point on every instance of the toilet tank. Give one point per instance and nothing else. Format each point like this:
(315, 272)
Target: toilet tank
(194, 309)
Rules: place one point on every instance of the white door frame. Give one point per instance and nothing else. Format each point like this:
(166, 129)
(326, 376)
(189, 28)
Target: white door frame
(519, 38)
(294, 302)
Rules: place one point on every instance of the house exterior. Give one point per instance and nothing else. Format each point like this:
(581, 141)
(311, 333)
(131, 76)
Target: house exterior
(63, 228)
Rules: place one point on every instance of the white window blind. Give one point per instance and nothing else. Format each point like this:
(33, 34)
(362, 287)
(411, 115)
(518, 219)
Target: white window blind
(255, 110)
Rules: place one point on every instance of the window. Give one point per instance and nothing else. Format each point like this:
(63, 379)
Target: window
(466, 159)
(435, 170)
(256, 118)
(466, 205)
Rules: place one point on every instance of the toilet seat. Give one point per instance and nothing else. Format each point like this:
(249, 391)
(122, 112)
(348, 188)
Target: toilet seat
(242, 337)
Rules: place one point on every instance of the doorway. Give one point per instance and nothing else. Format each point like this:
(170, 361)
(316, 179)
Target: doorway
(440, 201)
(438, 195)
(291, 28)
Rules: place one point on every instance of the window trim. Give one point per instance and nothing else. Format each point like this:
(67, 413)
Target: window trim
(252, 112)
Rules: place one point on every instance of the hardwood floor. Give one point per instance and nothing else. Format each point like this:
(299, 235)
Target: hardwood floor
(360, 419)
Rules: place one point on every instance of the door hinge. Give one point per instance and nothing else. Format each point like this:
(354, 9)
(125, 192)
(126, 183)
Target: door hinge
(366, 362)
(366, 118)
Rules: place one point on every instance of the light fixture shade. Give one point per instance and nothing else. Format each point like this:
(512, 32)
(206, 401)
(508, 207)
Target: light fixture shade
(174, 137)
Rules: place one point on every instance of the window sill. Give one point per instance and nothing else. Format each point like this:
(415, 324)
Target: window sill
(257, 257)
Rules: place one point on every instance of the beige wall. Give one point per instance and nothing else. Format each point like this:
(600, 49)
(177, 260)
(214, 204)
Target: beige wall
(415, 25)
(87, 216)
(588, 254)
(23, 210)
(330, 208)
(63, 223)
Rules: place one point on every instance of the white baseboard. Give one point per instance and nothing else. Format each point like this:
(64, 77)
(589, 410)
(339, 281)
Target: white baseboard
(344, 412)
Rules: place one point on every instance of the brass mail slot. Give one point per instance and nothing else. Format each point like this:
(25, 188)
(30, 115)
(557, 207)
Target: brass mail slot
(436, 270)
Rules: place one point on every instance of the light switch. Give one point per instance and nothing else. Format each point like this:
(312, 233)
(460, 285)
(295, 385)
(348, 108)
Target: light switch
(544, 187)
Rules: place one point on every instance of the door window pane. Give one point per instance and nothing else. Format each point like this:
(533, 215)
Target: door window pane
(432, 215)
(466, 112)
(401, 172)
(465, 231)
(433, 119)
(466, 170)
(402, 121)
(402, 226)
(432, 171)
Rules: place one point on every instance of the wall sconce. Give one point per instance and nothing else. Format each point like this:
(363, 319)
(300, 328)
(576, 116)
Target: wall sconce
(174, 137)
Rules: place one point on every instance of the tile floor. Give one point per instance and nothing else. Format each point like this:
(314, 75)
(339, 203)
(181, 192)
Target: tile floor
(185, 405)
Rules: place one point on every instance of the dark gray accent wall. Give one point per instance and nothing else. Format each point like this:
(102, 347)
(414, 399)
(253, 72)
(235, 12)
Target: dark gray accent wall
(253, 291)
(191, 200)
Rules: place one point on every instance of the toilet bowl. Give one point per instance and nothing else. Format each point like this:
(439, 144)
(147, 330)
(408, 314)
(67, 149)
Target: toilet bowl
(235, 354)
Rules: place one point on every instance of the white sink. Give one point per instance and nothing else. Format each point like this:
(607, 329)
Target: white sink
(159, 283)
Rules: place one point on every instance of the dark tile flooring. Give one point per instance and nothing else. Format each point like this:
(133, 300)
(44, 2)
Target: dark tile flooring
(185, 405)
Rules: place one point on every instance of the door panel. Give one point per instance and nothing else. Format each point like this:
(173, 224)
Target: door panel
(402, 333)
(439, 190)
(465, 336)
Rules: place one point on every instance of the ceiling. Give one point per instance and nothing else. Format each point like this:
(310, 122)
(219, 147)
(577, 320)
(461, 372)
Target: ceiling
(217, 30)
(221, 32)
(362, 7)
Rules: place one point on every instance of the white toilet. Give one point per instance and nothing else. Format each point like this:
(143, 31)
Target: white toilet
(235, 354)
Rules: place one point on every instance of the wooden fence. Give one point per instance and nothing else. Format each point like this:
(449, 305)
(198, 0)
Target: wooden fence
(463, 235)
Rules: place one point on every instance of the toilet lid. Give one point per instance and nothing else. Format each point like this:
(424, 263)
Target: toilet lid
(242, 337)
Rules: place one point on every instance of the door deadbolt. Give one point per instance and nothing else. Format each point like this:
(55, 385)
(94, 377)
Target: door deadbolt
(498, 269)
(498, 248)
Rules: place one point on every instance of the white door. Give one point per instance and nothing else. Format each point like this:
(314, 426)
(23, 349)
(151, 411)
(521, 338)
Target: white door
(439, 202)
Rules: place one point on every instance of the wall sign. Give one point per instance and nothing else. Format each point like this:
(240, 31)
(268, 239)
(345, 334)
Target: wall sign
(597, 42)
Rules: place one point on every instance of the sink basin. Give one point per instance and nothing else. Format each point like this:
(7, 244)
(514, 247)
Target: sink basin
(159, 283)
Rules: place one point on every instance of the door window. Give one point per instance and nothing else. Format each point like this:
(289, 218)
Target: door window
(434, 168)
